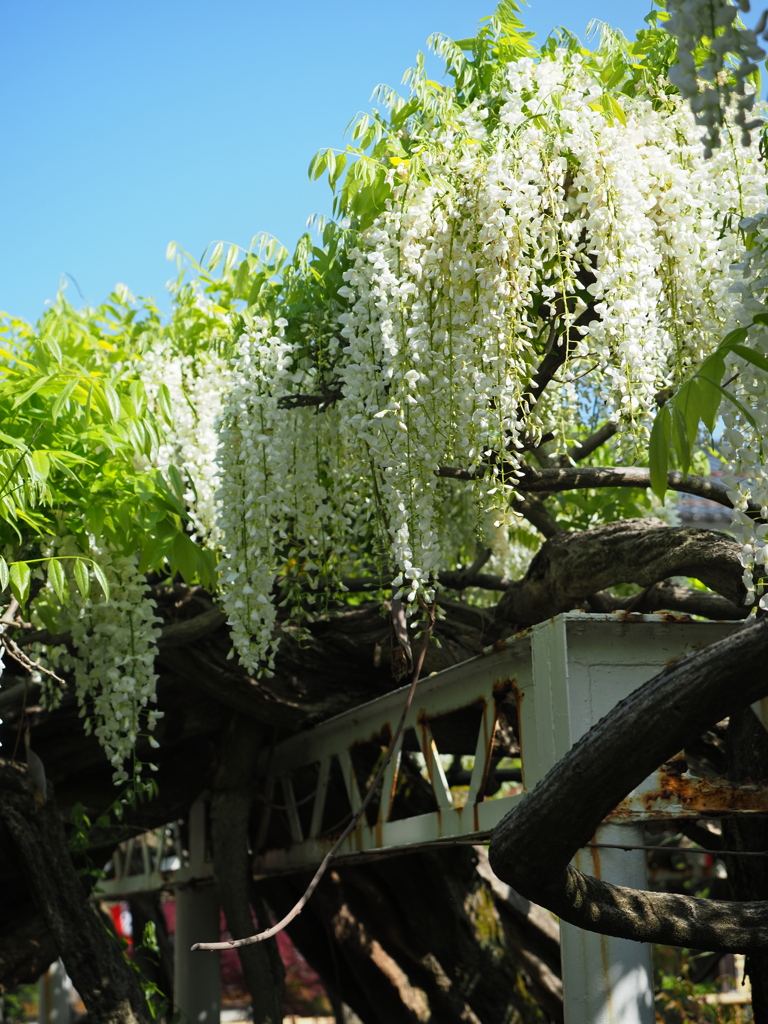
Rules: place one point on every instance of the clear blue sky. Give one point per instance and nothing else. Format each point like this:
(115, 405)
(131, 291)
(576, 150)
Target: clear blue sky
(125, 127)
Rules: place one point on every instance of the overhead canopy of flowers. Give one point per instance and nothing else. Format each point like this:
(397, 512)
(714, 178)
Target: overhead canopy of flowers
(363, 409)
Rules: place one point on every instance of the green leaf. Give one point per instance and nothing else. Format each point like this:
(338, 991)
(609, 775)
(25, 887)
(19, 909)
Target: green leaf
(658, 452)
(94, 519)
(680, 438)
(735, 337)
(687, 406)
(215, 259)
(207, 562)
(113, 401)
(41, 463)
(184, 555)
(176, 482)
(338, 169)
(39, 383)
(58, 579)
(756, 358)
(318, 164)
(712, 369)
(154, 550)
(241, 280)
(63, 397)
(4, 575)
(20, 577)
(82, 577)
(101, 578)
(734, 401)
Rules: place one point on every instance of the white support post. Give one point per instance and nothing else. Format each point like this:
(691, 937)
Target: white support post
(53, 990)
(579, 674)
(608, 980)
(197, 983)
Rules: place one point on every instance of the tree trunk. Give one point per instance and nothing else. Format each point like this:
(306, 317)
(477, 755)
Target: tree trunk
(230, 813)
(747, 761)
(414, 939)
(107, 984)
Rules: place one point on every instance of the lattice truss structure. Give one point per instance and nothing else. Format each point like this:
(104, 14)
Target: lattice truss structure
(477, 738)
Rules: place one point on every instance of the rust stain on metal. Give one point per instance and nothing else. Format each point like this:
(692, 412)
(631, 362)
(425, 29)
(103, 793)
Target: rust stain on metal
(503, 687)
(384, 735)
(628, 616)
(695, 794)
(673, 617)
(519, 695)
(595, 854)
(488, 738)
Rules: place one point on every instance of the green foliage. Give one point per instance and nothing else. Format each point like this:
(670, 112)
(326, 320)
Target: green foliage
(682, 1000)
(75, 418)
(696, 403)
(395, 139)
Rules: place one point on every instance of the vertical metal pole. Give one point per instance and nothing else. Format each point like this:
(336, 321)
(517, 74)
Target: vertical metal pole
(53, 990)
(197, 982)
(608, 980)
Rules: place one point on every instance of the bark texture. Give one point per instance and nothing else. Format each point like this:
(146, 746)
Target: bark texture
(230, 813)
(531, 847)
(747, 761)
(94, 961)
(379, 937)
(571, 566)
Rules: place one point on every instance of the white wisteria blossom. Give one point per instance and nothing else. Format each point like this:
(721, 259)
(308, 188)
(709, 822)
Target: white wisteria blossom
(745, 434)
(711, 84)
(112, 661)
(568, 216)
(195, 384)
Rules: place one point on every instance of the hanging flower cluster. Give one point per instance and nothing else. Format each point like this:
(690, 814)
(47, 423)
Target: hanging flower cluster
(195, 386)
(564, 217)
(113, 664)
(710, 86)
(745, 434)
(281, 488)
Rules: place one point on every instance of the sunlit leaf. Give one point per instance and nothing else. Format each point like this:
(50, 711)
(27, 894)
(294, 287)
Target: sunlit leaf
(20, 577)
(82, 577)
(58, 579)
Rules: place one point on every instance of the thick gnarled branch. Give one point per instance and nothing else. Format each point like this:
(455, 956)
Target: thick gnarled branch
(532, 846)
(572, 566)
(110, 989)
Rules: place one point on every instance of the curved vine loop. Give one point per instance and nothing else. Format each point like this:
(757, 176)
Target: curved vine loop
(532, 846)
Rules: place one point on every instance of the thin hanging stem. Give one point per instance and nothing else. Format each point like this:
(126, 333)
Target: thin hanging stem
(268, 933)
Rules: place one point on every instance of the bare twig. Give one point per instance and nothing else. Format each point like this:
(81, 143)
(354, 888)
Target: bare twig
(8, 616)
(299, 906)
(537, 514)
(672, 597)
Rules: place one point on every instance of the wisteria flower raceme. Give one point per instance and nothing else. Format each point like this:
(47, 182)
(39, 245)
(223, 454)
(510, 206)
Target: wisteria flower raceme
(555, 219)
